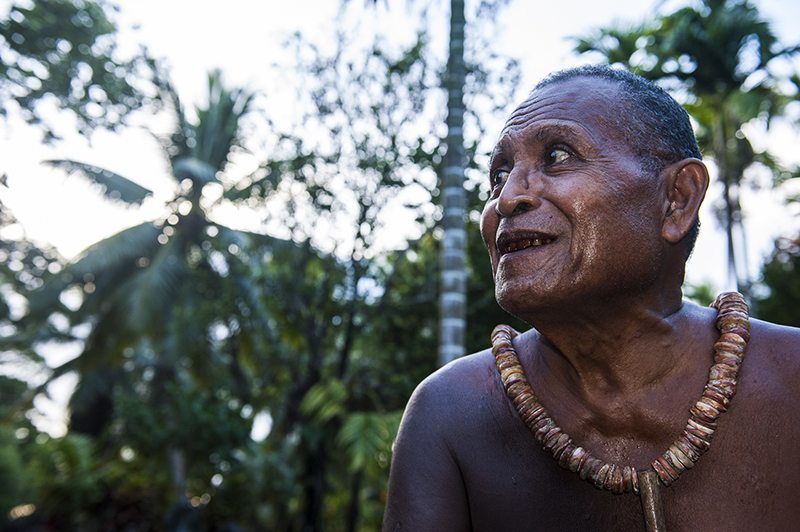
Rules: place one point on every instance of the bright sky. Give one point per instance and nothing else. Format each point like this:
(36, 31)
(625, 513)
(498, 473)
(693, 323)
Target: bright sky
(243, 38)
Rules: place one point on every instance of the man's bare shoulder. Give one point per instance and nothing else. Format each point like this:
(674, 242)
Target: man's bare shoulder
(462, 371)
(427, 489)
(774, 355)
(453, 389)
(470, 373)
(768, 383)
(779, 344)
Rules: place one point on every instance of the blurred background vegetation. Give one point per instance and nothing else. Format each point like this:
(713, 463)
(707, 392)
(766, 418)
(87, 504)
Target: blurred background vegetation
(229, 379)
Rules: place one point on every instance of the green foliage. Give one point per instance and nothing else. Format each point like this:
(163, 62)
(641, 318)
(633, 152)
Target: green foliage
(702, 294)
(186, 417)
(367, 440)
(325, 401)
(190, 330)
(363, 140)
(64, 52)
(23, 265)
(199, 149)
(65, 479)
(114, 186)
(12, 472)
(781, 277)
(162, 365)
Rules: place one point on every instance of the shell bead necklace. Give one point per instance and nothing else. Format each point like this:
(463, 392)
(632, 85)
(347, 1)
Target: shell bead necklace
(734, 326)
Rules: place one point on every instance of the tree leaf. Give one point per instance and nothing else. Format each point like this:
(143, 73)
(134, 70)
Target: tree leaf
(108, 255)
(198, 171)
(113, 186)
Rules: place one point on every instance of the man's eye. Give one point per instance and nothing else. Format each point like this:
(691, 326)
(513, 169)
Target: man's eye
(557, 155)
(499, 179)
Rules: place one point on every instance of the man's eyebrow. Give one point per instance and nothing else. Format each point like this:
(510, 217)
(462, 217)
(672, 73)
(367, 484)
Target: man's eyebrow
(570, 131)
(559, 129)
(497, 152)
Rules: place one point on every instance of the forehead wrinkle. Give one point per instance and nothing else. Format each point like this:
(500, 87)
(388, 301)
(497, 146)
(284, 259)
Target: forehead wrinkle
(553, 108)
(563, 96)
(544, 128)
(524, 113)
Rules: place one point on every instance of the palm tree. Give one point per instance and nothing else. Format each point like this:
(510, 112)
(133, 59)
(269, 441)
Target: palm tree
(720, 55)
(453, 284)
(453, 292)
(169, 304)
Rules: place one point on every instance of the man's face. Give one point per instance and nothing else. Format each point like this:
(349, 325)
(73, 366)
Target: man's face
(570, 216)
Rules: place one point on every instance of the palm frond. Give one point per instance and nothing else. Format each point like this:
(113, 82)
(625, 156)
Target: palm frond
(215, 132)
(364, 435)
(218, 125)
(153, 292)
(198, 171)
(113, 186)
(120, 251)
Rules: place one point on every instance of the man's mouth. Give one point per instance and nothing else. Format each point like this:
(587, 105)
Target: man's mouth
(508, 243)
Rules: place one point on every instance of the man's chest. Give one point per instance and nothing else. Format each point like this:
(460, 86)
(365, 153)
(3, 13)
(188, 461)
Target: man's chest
(513, 484)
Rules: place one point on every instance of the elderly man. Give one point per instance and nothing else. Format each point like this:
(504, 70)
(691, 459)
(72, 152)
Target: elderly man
(616, 410)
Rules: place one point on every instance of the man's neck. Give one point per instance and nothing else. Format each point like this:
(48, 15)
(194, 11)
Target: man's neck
(614, 349)
(629, 373)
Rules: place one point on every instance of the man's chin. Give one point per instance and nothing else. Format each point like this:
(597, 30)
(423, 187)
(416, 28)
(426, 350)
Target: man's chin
(518, 301)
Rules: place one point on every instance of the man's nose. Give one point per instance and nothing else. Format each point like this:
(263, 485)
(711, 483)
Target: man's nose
(519, 194)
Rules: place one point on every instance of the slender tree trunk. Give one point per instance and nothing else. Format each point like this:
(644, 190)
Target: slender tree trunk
(176, 457)
(354, 507)
(177, 471)
(179, 517)
(743, 255)
(733, 271)
(315, 445)
(350, 322)
(314, 486)
(453, 299)
(729, 214)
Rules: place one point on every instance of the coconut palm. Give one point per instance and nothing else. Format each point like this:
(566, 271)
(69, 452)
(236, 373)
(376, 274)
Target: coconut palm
(453, 294)
(719, 57)
(167, 306)
(453, 284)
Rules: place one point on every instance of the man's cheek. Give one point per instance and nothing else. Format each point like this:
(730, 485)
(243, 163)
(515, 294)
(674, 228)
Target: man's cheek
(488, 226)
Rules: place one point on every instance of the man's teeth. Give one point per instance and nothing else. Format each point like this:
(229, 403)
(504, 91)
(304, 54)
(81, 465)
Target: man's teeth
(522, 244)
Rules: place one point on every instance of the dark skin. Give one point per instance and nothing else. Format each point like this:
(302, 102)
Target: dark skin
(615, 354)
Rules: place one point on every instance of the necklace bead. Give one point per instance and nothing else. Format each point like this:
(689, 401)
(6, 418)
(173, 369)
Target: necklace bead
(734, 326)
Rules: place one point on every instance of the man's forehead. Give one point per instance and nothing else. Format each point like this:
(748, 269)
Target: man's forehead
(586, 101)
(580, 107)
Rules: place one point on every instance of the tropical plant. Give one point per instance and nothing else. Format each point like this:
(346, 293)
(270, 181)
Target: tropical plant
(357, 154)
(461, 78)
(453, 294)
(16, 484)
(780, 276)
(64, 53)
(23, 265)
(722, 59)
(362, 323)
(164, 308)
(190, 330)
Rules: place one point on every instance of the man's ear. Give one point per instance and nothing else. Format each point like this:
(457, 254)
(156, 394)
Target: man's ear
(686, 182)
